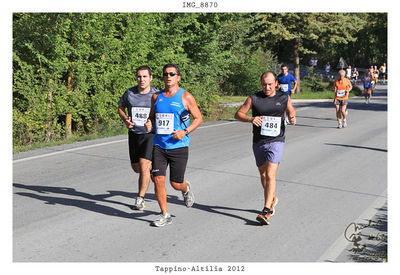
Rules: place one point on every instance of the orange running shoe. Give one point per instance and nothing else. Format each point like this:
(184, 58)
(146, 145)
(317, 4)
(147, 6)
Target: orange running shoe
(264, 217)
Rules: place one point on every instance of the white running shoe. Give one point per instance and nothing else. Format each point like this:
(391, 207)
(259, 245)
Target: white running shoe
(163, 220)
(139, 204)
(188, 197)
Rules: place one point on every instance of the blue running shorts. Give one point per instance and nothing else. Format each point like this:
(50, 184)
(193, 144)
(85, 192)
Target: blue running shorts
(271, 152)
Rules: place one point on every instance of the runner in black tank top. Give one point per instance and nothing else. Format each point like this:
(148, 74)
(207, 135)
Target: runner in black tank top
(273, 106)
(268, 109)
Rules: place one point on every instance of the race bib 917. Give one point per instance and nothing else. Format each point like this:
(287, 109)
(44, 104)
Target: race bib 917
(164, 123)
(271, 126)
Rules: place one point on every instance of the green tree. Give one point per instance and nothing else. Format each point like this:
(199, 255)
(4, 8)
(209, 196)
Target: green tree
(370, 46)
(37, 74)
(69, 69)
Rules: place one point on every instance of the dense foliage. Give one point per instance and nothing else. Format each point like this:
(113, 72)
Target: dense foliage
(79, 64)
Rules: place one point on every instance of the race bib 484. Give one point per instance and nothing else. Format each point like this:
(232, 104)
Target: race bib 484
(271, 126)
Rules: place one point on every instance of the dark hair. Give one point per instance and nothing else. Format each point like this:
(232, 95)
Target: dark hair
(265, 74)
(170, 65)
(283, 65)
(142, 68)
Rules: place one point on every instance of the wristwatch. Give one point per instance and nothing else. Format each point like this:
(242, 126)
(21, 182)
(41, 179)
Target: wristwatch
(186, 132)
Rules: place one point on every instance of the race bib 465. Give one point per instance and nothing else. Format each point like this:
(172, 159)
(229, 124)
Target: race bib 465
(140, 115)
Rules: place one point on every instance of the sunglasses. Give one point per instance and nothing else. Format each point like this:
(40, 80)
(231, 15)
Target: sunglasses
(170, 74)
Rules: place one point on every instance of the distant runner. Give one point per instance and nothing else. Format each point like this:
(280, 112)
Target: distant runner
(285, 80)
(374, 80)
(382, 69)
(368, 83)
(348, 72)
(342, 88)
(268, 108)
(355, 75)
(327, 69)
(376, 73)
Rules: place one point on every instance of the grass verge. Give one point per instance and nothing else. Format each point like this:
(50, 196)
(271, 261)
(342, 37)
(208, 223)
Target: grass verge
(103, 133)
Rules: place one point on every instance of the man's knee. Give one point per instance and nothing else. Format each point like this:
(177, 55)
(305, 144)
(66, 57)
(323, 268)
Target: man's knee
(159, 180)
(145, 166)
(177, 185)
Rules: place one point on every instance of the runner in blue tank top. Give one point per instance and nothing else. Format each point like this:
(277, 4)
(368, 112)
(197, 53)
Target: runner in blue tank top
(170, 112)
(268, 109)
(171, 115)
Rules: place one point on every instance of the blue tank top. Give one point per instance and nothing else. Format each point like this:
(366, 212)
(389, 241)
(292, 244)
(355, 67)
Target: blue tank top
(171, 115)
(367, 82)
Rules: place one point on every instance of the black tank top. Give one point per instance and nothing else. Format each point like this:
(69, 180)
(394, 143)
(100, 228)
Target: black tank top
(274, 106)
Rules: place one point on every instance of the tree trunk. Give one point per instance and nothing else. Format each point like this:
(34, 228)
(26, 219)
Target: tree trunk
(68, 120)
(297, 42)
(49, 117)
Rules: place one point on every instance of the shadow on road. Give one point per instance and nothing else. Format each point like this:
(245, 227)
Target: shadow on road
(313, 126)
(220, 211)
(91, 202)
(358, 147)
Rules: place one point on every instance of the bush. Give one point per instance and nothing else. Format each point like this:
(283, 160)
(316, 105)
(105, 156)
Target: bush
(313, 82)
(356, 90)
(245, 74)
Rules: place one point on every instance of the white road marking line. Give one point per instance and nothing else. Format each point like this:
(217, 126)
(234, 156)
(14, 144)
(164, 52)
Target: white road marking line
(68, 150)
(214, 125)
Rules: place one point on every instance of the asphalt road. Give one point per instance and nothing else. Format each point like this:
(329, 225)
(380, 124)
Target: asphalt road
(71, 203)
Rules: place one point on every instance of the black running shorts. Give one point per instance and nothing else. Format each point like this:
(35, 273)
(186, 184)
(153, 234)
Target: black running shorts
(342, 102)
(177, 160)
(140, 146)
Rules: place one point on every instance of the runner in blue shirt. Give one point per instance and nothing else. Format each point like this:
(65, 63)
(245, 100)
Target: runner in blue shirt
(285, 80)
